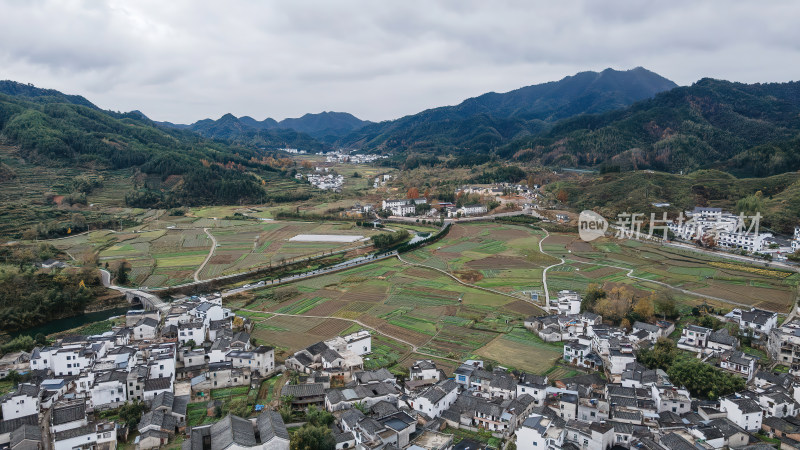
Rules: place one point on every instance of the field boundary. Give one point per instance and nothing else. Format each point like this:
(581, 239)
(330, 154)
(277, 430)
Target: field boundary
(468, 284)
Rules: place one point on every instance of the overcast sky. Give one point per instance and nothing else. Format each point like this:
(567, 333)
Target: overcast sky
(186, 60)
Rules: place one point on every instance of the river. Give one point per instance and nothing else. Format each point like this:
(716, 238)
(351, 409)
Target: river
(69, 323)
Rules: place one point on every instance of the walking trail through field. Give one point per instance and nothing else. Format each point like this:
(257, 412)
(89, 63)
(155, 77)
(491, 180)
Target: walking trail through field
(210, 254)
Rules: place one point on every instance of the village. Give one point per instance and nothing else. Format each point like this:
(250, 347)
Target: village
(167, 360)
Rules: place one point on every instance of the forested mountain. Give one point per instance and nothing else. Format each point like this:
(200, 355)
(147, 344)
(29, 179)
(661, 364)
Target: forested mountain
(61, 133)
(308, 132)
(490, 120)
(249, 132)
(39, 95)
(749, 130)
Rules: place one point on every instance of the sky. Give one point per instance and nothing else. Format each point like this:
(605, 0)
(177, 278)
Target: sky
(183, 61)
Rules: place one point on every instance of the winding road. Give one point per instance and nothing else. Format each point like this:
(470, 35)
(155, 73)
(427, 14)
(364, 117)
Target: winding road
(544, 272)
(210, 254)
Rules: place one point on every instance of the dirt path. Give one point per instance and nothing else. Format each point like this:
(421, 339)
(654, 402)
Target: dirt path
(467, 284)
(414, 348)
(210, 254)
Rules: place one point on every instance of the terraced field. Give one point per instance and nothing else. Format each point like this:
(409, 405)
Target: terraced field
(739, 283)
(166, 251)
(422, 306)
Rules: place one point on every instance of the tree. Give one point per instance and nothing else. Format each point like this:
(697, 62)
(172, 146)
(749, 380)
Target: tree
(78, 220)
(644, 309)
(41, 339)
(562, 196)
(361, 406)
(703, 380)
(13, 376)
(665, 305)
(310, 437)
(616, 305)
(593, 293)
(285, 411)
(122, 272)
(412, 193)
(131, 412)
(319, 417)
(660, 355)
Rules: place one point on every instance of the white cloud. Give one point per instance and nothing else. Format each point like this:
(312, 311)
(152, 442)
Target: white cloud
(186, 60)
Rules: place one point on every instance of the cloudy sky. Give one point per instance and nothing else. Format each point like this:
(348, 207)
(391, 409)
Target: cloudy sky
(186, 60)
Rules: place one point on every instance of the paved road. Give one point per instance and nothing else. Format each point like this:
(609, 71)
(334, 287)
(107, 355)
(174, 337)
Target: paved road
(544, 272)
(210, 254)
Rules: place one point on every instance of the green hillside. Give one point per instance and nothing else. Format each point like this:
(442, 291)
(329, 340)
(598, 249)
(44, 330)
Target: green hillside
(748, 130)
(486, 122)
(612, 193)
(57, 153)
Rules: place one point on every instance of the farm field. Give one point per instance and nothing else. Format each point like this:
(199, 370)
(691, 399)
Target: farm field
(492, 255)
(445, 319)
(420, 306)
(736, 282)
(161, 256)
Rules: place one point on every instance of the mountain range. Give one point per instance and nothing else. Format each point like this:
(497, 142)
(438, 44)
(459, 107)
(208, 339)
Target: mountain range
(490, 120)
(613, 120)
(326, 127)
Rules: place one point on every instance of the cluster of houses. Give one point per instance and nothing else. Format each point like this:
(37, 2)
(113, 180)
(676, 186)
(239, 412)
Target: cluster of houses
(635, 407)
(408, 207)
(728, 230)
(403, 207)
(176, 357)
(163, 360)
(347, 158)
(323, 180)
(499, 190)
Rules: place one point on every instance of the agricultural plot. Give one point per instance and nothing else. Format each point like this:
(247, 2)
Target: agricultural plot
(735, 282)
(412, 304)
(497, 256)
(522, 350)
(161, 256)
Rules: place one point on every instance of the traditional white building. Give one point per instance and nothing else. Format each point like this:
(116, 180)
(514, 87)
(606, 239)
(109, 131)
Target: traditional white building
(436, 398)
(260, 359)
(22, 402)
(743, 411)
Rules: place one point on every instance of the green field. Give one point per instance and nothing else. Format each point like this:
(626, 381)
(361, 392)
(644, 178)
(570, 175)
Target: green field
(444, 318)
(739, 284)
(161, 256)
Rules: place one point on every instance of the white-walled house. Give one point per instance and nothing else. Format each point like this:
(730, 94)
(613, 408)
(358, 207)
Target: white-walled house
(533, 385)
(539, 433)
(22, 402)
(208, 312)
(191, 331)
(96, 436)
(260, 360)
(670, 399)
(42, 358)
(743, 411)
(109, 389)
(436, 398)
(145, 329)
(423, 370)
(68, 416)
(759, 321)
(70, 361)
